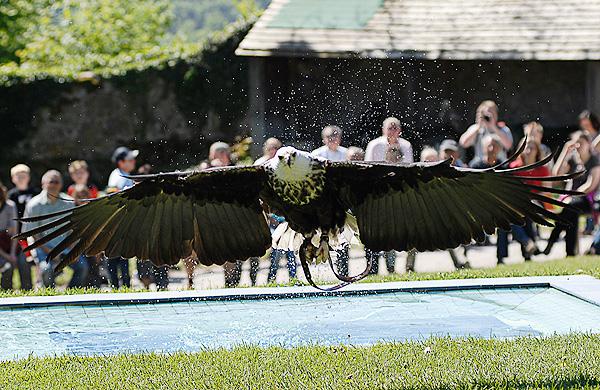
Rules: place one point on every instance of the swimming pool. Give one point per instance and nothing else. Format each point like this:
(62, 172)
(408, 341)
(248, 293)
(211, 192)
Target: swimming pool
(364, 314)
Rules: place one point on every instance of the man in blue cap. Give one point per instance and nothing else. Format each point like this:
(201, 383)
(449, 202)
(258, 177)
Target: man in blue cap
(124, 158)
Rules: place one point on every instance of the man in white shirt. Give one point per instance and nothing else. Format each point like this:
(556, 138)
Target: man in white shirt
(331, 150)
(391, 130)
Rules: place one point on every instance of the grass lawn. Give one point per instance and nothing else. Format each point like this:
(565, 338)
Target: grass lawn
(587, 265)
(571, 361)
(554, 362)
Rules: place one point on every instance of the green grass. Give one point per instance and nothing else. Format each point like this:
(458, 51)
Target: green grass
(553, 362)
(588, 265)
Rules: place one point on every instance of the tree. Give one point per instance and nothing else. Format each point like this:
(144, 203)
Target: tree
(106, 37)
(15, 17)
(89, 34)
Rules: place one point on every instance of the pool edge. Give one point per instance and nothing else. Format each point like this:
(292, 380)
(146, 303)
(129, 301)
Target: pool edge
(584, 287)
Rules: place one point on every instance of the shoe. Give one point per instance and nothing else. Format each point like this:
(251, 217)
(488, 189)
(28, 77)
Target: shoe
(548, 248)
(529, 250)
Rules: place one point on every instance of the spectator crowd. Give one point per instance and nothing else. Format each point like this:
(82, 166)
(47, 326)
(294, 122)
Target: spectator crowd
(488, 140)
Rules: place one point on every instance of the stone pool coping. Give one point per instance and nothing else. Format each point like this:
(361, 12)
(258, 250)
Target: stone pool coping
(583, 287)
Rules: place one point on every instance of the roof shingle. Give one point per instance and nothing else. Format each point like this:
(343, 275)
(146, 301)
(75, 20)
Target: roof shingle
(429, 29)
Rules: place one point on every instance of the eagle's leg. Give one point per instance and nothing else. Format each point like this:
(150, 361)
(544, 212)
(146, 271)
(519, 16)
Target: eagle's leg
(343, 278)
(309, 252)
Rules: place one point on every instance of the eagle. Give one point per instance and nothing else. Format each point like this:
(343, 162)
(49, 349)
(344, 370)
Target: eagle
(220, 213)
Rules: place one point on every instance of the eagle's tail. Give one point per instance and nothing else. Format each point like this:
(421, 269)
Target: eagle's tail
(286, 238)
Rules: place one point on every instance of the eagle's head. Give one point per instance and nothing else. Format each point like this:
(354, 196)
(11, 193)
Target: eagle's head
(291, 164)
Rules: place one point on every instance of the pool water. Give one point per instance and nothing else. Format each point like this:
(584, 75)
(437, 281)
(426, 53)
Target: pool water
(350, 319)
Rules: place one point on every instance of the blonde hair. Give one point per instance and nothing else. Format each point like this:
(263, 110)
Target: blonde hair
(19, 168)
(533, 126)
(77, 165)
(271, 143)
(429, 151)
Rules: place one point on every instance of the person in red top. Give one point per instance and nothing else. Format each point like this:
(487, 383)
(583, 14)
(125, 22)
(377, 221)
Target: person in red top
(531, 154)
(525, 235)
(80, 174)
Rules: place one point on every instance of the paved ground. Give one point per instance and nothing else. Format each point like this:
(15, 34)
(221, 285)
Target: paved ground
(478, 257)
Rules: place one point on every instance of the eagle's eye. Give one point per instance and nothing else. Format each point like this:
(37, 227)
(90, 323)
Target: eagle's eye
(280, 158)
(293, 154)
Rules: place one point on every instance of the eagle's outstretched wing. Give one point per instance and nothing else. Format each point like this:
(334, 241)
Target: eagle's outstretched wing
(428, 206)
(164, 217)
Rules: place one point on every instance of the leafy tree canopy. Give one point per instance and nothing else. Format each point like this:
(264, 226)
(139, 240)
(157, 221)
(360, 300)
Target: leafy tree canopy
(83, 38)
(15, 18)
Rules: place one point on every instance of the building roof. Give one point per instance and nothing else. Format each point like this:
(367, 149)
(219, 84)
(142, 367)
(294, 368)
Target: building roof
(428, 29)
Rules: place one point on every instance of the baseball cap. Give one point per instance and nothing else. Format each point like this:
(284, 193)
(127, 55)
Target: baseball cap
(449, 144)
(124, 153)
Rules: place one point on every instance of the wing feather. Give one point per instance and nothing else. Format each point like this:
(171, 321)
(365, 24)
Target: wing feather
(163, 217)
(437, 206)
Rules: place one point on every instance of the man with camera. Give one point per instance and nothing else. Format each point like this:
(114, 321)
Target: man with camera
(486, 123)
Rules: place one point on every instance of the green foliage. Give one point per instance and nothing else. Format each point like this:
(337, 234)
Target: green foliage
(16, 16)
(84, 39)
(570, 361)
(106, 37)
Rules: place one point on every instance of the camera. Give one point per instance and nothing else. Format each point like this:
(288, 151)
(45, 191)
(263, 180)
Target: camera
(487, 118)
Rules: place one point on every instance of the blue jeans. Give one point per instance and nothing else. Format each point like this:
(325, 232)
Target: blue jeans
(390, 260)
(275, 256)
(115, 264)
(342, 260)
(80, 271)
(521, 234)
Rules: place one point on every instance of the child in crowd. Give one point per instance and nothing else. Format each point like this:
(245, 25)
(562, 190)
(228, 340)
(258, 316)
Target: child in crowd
(80, 174)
